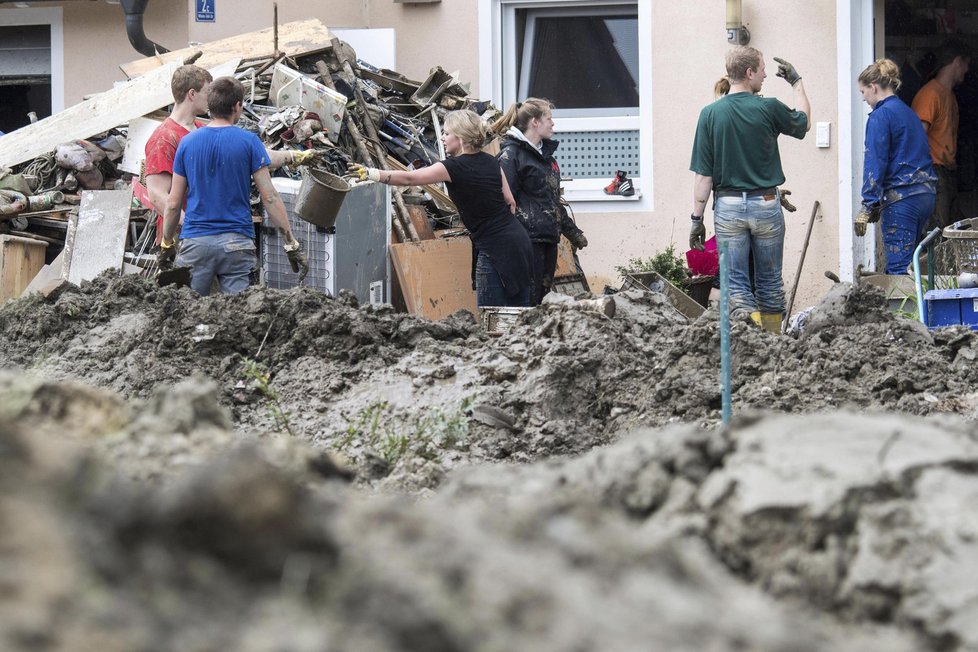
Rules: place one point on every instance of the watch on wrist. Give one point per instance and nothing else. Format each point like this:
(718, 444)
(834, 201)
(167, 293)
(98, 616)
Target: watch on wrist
(696, 218)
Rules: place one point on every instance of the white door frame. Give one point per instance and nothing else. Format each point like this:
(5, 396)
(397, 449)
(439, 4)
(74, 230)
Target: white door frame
(53, 17)
(856, 37)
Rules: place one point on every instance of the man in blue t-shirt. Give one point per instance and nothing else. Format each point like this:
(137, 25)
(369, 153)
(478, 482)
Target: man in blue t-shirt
(213, 170)
(736, 156)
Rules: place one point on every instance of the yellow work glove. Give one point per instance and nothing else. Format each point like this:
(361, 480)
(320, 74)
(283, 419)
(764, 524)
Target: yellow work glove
(168, 253)
(305, 157)
(363, 173)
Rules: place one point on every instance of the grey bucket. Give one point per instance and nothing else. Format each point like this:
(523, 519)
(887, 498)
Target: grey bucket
(320, 197)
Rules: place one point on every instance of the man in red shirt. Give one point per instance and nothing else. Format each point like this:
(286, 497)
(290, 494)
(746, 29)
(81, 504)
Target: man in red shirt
(189, 88)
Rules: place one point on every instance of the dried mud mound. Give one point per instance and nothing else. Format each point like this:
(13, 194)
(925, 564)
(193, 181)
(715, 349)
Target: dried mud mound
(258, 544)
(408, 399)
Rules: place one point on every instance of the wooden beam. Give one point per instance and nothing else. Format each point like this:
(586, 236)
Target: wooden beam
(294, 39)
(93, 116)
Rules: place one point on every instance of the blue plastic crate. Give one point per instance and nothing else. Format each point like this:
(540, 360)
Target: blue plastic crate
(952, 308)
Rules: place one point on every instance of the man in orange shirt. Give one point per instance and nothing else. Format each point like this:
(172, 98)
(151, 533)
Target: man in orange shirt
(937, 109)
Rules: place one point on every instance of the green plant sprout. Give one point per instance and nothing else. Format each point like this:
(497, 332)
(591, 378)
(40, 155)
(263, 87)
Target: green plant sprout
(258, 373)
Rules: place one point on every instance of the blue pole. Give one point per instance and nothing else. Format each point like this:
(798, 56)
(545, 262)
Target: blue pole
(724, 334)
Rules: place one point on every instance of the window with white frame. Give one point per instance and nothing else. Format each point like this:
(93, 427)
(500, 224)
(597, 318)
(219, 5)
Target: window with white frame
(585, 57)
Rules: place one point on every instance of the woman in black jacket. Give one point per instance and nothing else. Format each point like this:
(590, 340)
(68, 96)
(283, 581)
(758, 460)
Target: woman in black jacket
(526, 157)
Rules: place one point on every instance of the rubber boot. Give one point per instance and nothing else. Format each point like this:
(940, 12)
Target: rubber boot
(771, 322)
(756, 318)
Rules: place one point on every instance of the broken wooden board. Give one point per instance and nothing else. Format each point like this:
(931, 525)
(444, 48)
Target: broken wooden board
(435, 276)
(565, 258)
(294, 39)
(86, 119)
(47, 274)
(20, 261)
(96, 239)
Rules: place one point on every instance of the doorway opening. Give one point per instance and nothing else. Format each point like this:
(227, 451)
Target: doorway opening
(25, 75)
(914, 31)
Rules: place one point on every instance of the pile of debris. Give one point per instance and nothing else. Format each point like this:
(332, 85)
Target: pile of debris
(305, 89)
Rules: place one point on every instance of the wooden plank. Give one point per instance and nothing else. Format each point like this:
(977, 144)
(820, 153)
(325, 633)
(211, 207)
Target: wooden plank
(565, 258)
(442, 200)
(420, 220)
(294, 39)
(435, 276)
(93, 116)
(96, 238)
(20, 261)
(47, 274)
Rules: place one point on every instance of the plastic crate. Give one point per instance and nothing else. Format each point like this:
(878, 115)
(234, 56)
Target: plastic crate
(963, 238)
(952, 308)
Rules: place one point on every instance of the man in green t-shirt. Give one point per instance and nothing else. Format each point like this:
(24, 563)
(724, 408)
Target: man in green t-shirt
(735, 155)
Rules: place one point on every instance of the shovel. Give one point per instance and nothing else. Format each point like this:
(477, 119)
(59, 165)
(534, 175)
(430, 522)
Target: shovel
(179, 276)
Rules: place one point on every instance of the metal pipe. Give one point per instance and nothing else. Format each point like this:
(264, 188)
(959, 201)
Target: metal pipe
(918, 285)
(725, 408)
(134, 10)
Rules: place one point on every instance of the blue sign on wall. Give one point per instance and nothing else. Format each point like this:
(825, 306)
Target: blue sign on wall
(205, 11)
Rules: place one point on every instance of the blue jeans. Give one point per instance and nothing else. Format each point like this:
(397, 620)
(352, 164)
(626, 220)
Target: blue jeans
(228, 257)
(902, 226)
(489, 290)
(752, 225)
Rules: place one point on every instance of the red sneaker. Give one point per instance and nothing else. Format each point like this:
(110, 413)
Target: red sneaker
(620, 185)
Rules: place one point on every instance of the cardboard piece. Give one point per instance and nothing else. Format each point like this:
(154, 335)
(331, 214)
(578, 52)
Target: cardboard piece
(20, 261)
(294, 39)
(93, 116)
(435, 276)
(96, 238)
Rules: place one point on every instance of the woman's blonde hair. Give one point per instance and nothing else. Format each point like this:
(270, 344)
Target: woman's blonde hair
(468, 126)
(721, 88)
(883, 72)
(519, 114)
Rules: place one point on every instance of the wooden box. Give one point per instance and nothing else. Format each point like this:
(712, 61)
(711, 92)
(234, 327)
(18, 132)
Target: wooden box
(20, 261)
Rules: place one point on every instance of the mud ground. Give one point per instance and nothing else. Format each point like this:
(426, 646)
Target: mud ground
(283, 471)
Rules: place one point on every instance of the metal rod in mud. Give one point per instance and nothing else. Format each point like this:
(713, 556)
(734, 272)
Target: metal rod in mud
(928, 244)
(724, 334)
(801, 263)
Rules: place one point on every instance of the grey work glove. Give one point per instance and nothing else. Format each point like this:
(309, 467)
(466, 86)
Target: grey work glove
(787, 205)
(787, 71)
(862, 219)
(297, 259)
(697, 234)
(578, 240)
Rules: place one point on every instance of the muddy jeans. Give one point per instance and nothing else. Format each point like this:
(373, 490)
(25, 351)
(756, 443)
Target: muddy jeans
(489, 287)
(752, 225)
(902, 226)
(228, 257)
